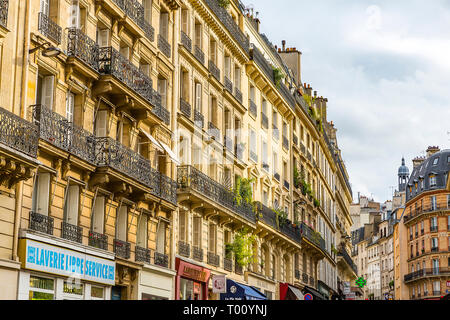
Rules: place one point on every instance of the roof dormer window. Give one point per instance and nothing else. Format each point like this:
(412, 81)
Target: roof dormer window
(432, 180)
(435, 161)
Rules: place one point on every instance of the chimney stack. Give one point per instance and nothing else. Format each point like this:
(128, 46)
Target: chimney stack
(283, 43)
(417, 161)
(432, 150)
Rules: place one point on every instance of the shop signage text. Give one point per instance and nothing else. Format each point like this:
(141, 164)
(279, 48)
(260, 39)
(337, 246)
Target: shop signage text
(56, 260)
(195, 274)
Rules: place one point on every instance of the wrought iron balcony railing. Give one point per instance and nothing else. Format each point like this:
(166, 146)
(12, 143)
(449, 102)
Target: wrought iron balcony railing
(238, 94)
(184, 249)
(71, 232)
(238, 269)
(228, 264)
(199, 119)
(122, 249)
(213, 259)
(343, 253)
(314, 237)
(98, 240)
(297, 274)
(425, 209)
(428, 272)
(185, 108)
(214, 131)
(84, 48)
(277, 176)
(228, 84)
(258, 57)
(142, 254)
(164, 46)
(168, 189)
(302, 148)
(19, 134)
(48, 28)
(229, 24)
(41, 223)
(186, 41)
(214, 70)
(228, 143)
(305, 278)
(433, 228)
(199, 55)
(4, 4)
(275, 132)
(264, 121)
(197, 254)
(239, 151)
(159, 110)
(111, 62)
(161, 259)
(253, 156)
(312, 281)
(287, 95)
(191, 178)
(295, 140)
(63, 134)
(135, 11)
(253, 108)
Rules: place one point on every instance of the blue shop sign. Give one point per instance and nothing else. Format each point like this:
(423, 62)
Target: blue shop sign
(238, 291)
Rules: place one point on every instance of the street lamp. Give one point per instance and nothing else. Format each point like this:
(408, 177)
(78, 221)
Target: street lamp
(49, 51)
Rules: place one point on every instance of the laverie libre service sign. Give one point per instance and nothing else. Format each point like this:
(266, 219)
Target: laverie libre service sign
(56, 260)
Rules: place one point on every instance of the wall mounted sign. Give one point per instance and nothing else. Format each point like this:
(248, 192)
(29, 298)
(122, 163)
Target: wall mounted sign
(47, 258)
(219, 284)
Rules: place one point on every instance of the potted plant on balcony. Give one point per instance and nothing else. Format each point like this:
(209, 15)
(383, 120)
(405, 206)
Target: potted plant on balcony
(228, 251)
(277, 76)
(333, 249)
(242, 247)
(223, 3)
(316, 203)
(297, 180)
(281, 217)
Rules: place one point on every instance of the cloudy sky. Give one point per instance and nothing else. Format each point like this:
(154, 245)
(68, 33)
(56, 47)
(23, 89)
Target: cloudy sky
(384, 67)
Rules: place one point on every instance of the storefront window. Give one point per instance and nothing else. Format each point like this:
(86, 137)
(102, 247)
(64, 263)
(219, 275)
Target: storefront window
(97, 292)
(73, 288)
(190, 290)
(41, 288)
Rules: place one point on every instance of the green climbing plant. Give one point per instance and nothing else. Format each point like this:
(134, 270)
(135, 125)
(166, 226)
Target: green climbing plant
(224, 3)
(242, 247)
(277, 76)
(281, 217)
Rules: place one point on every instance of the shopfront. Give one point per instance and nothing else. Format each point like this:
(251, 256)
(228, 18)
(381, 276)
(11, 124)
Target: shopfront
(324, 289)
(314, 293)
(155, 283)
(191, 281)
(290, 292)
(265, 285)
(239, 291)
(55, 272)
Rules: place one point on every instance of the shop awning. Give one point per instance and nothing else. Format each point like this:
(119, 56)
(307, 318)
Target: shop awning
(153, 140)
(296, 292)
(239, 291)
(171, 154)
(316, 294)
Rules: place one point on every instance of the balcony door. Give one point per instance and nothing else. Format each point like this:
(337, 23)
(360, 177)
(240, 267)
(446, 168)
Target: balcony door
(122, 223)
(45, 7)
(142, 235)
(98, 215)
(101, 121)
(45, 85)
(72, 204)
(161, 238)
(435, 266)
(41, 194)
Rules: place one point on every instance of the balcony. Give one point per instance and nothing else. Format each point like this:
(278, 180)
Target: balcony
(190, 178)
(184, 249)
(186, 41)
(238, 269)
(253, 108)
(264, 121)
(435, 249)
(238, 95)
(312, 236)
(18, 134)
(214, 132)
(48, 28)
(65, 135)
(302, 148)
(168, 189)
(135, 11)
(295, 140)
(297, 274)
(161, 259)
(197, 254)
(305, 278)
(239, 151)
(41, 223)
(425, 209)
(286, 184)
(199, 119)
(433, 228)
(277, 177)
(343, 253)
(259, 59)
(228, 84)
(253, 156)
(159, 110)
(214, 70)
(199, 55)
(229, 24)
(122, 249)
(429, 272)
(83, 48)
(228, 264)
(312, 281)
(142, 254)
(98, 240)
(213, 259)
(185, 108)
(164, 46)
(111, 62)
(4, 4)
(285, 143)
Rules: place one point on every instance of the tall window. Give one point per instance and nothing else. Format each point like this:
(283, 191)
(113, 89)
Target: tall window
(164, 25)
(264, 155)
(212, 238)
(45, 85)
(213, 112)
(72, 204)
(213, 50)
(197, 232)
(98, 215)
(185, 21)
(434, 243)
(142, 235)
(253, 146)
(41, 193)
(103, 35)
(433, 202)
(227, 66)
(122, 223)
(435, 264)
(70, 106)
(147, 4)
(237, 77)
(182, 226)
(161, 237)
(198, 34)
(198, 97)
(432, 180)
(162, 90)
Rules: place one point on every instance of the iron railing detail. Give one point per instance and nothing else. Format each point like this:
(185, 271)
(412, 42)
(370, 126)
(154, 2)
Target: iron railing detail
(186, 41)
(184, 249)
(214, 131)
(199, 119)
(228, 84)
(142, 254)
(228, 264)
(213, 259)
(238, 94)
(197, 254)
(264, 121)
(312, 281)
(229, 24)
(314, 237)
(253, 108)
(168, 189)
(185, 108)
(161, 259)
(135, 11)
(189, 177)
(228, 142)
(122, 249)
(199, 55)
(214, 70)
(164, 46)
(425, 209)
(49, 28)
(84, 48)
(302, 148)
(297, 274)
(343, 253)
(41, 223)
(71, 232)
(258, 57)
(295, 140)
(428, 272)
(98, 240)
(238, 269)
(305, 278)
(19, 134)
(4, 4)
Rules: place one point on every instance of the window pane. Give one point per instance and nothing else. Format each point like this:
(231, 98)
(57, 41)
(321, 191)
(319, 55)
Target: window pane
(73, 288)
(40, 296)
(97, 292)
(42, 283)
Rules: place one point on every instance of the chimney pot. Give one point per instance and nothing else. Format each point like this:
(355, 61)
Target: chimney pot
(283, 42)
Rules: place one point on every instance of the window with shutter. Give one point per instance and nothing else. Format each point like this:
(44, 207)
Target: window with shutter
(237, 77)
(148, 10)
(212, 238)
(47, 91)
(70, 105)
(122, 223)
(161, 238)
(41, 194)
(75, 20)
(142, 231)
(198, 97)
(72, 204)
(101, 123)
(227, 66)
(182, 226)
(103, 37)
(198, 35)
(185, 21)
(197, 232)
(164, 25)
(98, 216)
(45, 7)
(162, 89)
